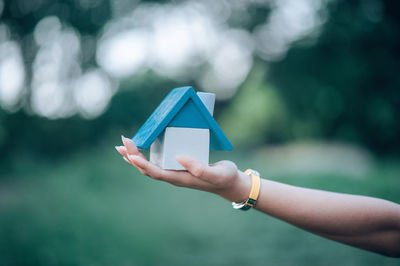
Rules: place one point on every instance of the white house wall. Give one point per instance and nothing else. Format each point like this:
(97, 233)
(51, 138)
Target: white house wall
(175, 141)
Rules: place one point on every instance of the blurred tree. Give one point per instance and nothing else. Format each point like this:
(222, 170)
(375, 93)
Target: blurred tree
(21, 16)
(342, 85)
(21, 129)
(345, 85)
(257, 114)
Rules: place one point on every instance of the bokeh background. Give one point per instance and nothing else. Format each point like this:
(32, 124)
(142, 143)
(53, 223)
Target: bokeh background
(307, 92)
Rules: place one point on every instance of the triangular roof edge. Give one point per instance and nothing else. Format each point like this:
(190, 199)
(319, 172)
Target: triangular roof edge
(167, 110)
(226, 145)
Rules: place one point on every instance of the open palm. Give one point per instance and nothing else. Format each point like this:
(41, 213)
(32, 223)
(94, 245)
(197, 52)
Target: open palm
(222, 178)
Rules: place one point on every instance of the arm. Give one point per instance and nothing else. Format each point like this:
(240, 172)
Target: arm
(365, 222)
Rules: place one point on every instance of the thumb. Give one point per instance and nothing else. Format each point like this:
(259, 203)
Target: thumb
(194, 166)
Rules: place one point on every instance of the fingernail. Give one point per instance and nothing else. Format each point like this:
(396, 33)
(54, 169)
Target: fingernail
(117, 148)
(122, 138)
(126, 160)
(134, 157)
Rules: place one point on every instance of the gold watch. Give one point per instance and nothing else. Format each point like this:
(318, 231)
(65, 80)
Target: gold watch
(254, 192)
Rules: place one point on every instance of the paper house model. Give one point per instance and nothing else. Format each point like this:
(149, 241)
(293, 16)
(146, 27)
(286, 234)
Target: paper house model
(182, 125)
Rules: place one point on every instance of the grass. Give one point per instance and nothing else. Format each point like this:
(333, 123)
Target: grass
(93, 209)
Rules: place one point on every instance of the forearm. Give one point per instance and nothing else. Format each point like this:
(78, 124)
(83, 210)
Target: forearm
(327, 212)
(365, 222)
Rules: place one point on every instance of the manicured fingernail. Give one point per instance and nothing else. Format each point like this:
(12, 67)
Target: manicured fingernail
(119, 148)
(125, 140)
(135, 158)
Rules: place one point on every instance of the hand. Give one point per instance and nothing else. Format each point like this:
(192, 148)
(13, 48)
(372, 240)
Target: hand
(221, 178)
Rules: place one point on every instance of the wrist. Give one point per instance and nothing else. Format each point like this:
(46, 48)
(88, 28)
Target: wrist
(239, 189)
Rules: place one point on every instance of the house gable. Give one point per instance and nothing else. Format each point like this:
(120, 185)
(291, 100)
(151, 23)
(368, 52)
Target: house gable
(189, 116)
(184, 105)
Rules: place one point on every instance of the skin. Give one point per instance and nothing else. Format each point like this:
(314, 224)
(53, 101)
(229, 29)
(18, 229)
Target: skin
(364, 222)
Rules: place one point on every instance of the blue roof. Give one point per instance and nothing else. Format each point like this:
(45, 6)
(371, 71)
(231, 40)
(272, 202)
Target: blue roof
(181, 108)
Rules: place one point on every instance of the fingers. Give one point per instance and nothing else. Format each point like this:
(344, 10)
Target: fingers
(177, 178)
(145, 166)
(149, 169)
(130, 146)
(122, 151)
(126, 160)
(218, 175)
(195, 167)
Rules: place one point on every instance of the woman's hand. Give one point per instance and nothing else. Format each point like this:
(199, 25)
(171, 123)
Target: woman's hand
(221, 178)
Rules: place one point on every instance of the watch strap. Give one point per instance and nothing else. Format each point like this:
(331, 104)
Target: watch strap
(254, 192)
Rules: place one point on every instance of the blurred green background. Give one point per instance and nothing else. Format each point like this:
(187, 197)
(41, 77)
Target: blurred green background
(307, 92)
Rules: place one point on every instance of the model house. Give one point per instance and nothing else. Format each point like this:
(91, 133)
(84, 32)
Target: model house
(182, 125)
